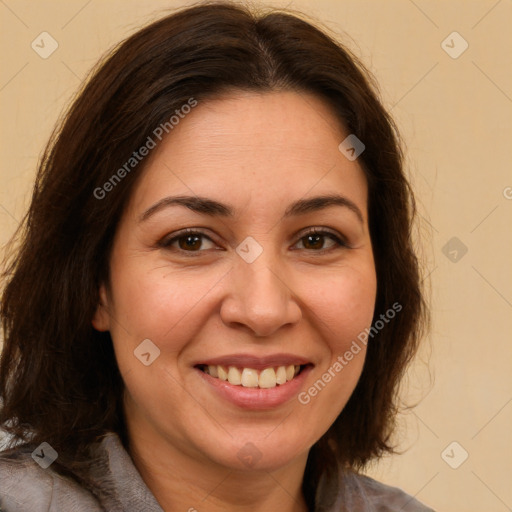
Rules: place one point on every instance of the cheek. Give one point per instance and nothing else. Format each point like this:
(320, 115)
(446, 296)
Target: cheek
(343, 302)
(151, 303)
(168, 308)
(344, 309)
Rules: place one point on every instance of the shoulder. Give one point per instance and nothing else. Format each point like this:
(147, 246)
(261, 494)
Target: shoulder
(378, 497)
(28, 486)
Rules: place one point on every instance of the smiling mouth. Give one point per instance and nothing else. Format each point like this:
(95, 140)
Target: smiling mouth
(250, 378)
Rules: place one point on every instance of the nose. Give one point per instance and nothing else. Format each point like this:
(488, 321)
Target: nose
(260, 299)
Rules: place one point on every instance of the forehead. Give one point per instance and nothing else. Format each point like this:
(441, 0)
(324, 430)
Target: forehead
(248, 145)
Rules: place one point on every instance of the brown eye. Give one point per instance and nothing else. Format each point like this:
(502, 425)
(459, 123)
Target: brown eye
(187, 241)
(315, 241)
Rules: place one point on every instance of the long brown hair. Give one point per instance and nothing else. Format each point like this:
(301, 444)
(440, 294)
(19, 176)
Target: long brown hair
(59, 380)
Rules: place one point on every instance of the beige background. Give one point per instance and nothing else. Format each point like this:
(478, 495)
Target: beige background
(455, 115)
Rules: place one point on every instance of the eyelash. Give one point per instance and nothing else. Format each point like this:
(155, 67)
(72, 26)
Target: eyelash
(167, 242)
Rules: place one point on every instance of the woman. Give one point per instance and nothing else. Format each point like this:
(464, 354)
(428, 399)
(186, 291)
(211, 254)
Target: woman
(215, 295)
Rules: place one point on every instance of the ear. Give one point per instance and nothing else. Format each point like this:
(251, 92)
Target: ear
(101, 318)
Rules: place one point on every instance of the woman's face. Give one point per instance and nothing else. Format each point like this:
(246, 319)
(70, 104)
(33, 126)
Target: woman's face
(250, 290)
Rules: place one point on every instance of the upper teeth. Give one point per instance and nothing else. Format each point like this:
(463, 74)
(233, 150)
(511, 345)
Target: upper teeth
(251, 378)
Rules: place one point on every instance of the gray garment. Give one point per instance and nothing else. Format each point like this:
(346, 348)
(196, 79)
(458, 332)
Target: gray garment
(118, 487)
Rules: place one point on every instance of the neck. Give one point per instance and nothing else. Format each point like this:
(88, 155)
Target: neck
(180, 481)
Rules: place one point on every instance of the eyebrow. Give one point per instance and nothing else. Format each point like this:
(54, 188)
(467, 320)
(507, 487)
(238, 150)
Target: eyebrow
(213, 208)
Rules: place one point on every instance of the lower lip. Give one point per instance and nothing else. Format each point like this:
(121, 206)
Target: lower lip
(257, 398)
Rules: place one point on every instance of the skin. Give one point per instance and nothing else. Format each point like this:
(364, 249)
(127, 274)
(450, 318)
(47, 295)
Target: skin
(306, 297)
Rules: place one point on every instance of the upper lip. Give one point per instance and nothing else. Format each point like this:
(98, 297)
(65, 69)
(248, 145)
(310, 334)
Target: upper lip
(255, 362)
